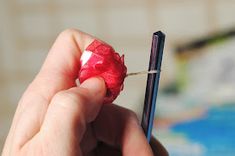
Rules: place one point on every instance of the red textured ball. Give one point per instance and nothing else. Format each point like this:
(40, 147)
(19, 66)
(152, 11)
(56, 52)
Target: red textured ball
(100, 59)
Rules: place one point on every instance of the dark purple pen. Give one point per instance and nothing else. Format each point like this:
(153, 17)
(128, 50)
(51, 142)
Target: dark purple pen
(152, 83)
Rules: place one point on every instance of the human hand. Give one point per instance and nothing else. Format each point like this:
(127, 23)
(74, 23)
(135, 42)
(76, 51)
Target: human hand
(57, 117)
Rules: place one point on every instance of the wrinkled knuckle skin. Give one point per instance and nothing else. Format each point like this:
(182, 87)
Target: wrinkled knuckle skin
(70, 33)
(70, 100)
(61, 97)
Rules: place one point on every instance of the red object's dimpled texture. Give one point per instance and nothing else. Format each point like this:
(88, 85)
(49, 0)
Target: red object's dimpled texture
(106, 63)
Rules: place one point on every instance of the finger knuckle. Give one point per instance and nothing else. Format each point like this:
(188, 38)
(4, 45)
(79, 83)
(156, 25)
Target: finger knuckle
(69, 32)
(61, 96)
(132, 116)
(70, 100)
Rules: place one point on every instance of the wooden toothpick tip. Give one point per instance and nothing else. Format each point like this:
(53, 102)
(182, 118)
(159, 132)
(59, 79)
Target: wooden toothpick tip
(143, 72)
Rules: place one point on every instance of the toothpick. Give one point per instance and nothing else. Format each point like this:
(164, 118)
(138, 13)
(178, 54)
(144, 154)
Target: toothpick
(143, 72)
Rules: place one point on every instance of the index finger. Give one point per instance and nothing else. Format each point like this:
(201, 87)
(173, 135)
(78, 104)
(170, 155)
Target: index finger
(58, 72)
(62, 64)
(119, 127)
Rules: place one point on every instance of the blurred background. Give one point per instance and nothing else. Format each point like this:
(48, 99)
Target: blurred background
(196, 102)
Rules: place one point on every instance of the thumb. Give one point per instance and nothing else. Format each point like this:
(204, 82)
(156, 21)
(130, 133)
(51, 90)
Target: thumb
(70, 111)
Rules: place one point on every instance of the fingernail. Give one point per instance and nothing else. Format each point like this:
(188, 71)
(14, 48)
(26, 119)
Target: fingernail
(95, 85)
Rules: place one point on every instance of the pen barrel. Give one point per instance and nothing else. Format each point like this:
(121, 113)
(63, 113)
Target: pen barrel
(152, 83)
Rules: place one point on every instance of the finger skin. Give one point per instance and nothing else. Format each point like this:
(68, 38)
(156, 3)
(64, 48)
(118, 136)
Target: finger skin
(103, 138)
(58, 73)
(69, 113)
(89, 141)
(118, 127)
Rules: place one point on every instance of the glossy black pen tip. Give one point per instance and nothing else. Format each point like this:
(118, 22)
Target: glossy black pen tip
(159, 33)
